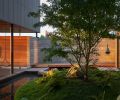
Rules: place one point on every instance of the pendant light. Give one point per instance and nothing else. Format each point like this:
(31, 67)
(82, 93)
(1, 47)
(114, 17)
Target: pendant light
(107, 50)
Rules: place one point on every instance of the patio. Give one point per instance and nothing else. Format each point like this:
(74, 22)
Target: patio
(6, 71)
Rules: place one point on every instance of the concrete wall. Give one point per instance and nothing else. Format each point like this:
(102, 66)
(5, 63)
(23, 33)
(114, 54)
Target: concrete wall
(43, 43)
(16, 12)
(46, 43)
(34, 51)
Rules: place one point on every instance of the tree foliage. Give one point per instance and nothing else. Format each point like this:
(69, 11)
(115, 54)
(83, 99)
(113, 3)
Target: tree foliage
(80, 25)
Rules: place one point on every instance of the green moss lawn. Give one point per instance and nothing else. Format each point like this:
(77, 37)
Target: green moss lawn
(102, 85)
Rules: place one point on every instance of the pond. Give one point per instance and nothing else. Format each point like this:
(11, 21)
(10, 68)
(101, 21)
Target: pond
(8, 89)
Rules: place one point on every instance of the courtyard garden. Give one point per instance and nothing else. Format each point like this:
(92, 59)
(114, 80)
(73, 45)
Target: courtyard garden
(79, 26)
(101, 85)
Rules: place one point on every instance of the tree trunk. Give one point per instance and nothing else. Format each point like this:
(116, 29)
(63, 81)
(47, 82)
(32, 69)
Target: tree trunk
(86, 73)
(86, 76)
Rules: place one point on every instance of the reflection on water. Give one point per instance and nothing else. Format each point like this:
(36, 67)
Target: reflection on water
(8, 91)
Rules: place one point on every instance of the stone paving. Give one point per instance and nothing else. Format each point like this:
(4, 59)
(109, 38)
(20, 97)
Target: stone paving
(109, 68)
(6, 71)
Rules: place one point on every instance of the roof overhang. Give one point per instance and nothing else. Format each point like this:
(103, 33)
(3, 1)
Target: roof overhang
(6, 26)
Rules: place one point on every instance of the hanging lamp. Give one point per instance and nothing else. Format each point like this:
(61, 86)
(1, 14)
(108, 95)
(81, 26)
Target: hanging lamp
(107, 50)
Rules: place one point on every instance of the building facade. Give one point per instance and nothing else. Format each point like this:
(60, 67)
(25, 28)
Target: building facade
(25, 51)
(103, 60)
(28, 51)
(16, 12)
(14, 19)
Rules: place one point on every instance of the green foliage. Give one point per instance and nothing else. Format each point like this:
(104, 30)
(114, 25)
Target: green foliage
(108, 35)
(42, 37)
(102, 85)
(83, 14)
(52, 52)
(79, 26)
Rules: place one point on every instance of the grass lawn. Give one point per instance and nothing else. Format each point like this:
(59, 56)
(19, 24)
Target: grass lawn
(102, 85)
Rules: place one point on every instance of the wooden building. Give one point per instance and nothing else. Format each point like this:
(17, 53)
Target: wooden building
(14, 19)
(110, 59)
(25, 51)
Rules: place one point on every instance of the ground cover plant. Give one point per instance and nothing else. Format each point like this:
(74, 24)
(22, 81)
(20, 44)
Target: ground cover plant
(102, 85)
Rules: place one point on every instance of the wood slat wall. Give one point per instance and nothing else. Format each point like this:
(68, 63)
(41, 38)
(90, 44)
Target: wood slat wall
(107, 59)
(20, 50)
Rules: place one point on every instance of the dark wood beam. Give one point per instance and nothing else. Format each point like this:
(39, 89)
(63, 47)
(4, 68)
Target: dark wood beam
(12, 48)
(117, 52)
(36, 35)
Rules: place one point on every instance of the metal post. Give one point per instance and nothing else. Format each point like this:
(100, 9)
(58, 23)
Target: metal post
(12, 49)
(117, 51)
(36, 35)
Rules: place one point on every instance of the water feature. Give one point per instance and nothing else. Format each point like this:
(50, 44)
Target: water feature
(8, 89)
